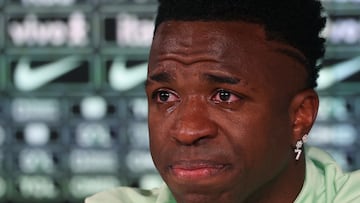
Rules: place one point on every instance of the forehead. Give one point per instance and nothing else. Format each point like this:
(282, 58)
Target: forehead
(214, 36)
(218, 37)
(235, 47)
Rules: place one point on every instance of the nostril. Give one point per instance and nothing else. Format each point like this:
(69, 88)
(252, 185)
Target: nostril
(192, 142)
(194, 133)
(202, 140)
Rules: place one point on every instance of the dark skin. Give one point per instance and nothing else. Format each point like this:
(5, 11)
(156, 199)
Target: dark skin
(226, 107)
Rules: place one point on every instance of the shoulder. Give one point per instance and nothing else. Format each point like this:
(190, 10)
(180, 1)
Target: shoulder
(349, 188)
(325, 181)
(124, 195)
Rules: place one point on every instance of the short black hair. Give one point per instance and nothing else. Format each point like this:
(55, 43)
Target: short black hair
(294, 22)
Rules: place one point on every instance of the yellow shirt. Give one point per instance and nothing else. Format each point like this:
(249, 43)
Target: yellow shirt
(324, 183)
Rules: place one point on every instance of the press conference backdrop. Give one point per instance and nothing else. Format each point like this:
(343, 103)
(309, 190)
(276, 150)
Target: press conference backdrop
(73, 113)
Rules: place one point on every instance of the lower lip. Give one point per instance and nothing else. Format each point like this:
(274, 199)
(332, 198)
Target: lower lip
(197, 172)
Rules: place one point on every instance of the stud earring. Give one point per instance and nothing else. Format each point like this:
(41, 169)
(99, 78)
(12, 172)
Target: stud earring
(299, 145)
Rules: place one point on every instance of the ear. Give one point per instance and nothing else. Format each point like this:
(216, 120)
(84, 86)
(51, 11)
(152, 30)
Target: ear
(303, 111)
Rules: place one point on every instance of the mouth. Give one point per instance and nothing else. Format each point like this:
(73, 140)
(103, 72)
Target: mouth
(195, 170)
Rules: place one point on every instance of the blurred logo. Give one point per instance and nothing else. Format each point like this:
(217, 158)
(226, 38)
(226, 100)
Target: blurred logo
(337, 135)
(333, 108)
(138, 107)
(36, 160)
(47, 2)
(3, 187)
(343, 31)
(2, 135)
(93, 135)
(27, 109)
(32, 32)
(28, 78)
(138, 135)
(93, 161)
(333, 74)
(82, 186)
(39, 187)
(37, 134)
(342, 1)
(140, 161)
(122, 78)
(134, 32)
(93, 107)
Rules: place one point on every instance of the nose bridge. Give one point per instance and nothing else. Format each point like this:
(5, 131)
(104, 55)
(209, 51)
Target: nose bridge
(193, 121)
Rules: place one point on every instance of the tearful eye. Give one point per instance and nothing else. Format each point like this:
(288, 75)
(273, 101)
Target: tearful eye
(163, 96)
(225, 96)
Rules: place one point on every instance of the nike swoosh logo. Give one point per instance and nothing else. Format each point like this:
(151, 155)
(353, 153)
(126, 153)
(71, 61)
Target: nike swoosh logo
(122, 79)
(338, 72)
(27, 79)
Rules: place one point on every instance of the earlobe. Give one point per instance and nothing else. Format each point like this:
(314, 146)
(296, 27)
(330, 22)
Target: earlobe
(304, 107)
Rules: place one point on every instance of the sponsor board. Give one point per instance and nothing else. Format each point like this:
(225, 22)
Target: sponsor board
(343, 31)
(34, 73)
(48, 3)
(128, 30)
(35, 30)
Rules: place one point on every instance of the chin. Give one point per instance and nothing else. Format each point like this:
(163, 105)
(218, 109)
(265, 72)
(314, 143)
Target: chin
(199, 191)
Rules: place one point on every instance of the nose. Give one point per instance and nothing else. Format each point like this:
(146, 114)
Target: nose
(193, 125)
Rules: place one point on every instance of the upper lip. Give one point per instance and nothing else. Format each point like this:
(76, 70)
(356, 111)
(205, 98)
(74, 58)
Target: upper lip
(197, 164)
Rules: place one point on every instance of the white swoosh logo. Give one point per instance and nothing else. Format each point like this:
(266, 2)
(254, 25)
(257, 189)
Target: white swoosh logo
(27, 79)
(338, 72)
(122, 79)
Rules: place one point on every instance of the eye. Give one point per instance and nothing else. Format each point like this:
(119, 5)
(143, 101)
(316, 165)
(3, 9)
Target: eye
(164, 96)
(221, 96)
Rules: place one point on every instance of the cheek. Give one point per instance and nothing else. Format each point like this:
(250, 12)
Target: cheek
(258, 135)
(157, 134)
(272, 141)
(259, 141)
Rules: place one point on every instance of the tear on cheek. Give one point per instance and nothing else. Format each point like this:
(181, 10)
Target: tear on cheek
(171, 109)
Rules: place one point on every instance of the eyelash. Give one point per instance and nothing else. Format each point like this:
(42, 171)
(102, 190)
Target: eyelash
(216, 97)
(233, 97)
(162, 92)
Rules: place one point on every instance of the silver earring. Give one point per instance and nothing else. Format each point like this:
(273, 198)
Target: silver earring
(299, 145)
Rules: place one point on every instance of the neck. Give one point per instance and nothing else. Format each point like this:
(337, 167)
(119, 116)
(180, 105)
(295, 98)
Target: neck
(283, 189)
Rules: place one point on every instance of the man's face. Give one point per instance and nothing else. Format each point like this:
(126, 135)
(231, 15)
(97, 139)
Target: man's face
(219, 100)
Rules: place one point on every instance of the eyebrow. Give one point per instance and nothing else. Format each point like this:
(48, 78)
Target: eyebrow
(162, 77)
(165, 77)
(221, 79)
